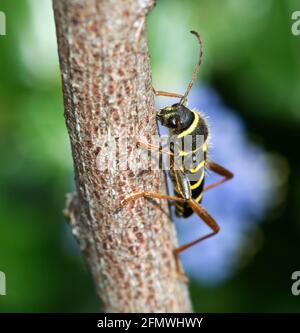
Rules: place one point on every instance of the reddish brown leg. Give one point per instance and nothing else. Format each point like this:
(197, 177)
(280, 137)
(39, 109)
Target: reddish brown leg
(153, 195)
(150, 146)
(227, 175)
(166, 94)
(206, 217)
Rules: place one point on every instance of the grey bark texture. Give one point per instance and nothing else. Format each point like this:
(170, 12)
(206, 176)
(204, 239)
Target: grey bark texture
(107, 90)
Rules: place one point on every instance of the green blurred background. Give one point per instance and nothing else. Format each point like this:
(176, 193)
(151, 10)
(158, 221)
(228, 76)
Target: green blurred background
(251, 59)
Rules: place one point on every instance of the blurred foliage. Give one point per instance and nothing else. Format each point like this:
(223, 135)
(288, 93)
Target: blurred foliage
(251, 59)
(43, 268)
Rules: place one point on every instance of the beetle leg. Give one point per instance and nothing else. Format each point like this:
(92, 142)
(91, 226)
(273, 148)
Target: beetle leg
(227, 175)
(207, 218)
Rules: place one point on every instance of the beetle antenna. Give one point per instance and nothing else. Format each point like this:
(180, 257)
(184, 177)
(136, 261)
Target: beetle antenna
(196, 70)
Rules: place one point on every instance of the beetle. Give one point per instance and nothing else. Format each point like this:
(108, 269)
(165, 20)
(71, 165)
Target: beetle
(188, 178)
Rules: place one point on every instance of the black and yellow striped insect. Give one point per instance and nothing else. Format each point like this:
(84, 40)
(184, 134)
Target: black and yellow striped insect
(188, 176)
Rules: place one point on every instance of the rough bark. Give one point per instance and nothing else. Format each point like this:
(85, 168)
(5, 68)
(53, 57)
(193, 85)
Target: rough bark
(107, 89)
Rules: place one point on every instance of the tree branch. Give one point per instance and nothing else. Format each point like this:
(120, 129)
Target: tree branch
(107, 90)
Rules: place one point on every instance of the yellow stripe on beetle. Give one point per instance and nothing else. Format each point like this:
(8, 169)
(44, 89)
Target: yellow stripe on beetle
(190, 129)
(199, 197)
(200, 165)
(185, 153)
(194, 186)
(179, 207)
